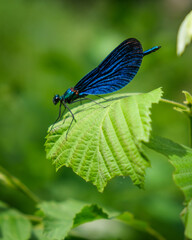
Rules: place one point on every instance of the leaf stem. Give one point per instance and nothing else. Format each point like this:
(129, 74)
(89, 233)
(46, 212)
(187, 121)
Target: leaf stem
(184, 108)
(34, 218)
(190, 132)
(17, 184)
(176, 104)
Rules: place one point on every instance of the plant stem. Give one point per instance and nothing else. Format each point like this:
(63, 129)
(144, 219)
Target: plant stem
(176, 104)
(34, 218)
(185, 109)
(190, 132)
(17, 184)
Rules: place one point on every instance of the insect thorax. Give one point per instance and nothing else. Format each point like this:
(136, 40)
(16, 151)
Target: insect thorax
(70, 95)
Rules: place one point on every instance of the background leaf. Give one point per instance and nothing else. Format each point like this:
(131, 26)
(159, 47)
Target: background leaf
(187, 219)
(180, 157)
(105, 141)
(38, 232)
(184, 36)
(60, 218)
(13, 225)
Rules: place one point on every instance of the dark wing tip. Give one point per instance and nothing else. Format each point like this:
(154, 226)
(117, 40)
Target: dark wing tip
(134, 43)
(132, 40)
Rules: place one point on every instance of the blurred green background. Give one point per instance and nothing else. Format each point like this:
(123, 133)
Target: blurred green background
(45, 48)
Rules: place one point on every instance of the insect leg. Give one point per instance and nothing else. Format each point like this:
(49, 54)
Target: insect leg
(58, 116)
(101, 97)
(79, 100)
(94, 102)
(63, 114)
(73, 117)
(88, 99)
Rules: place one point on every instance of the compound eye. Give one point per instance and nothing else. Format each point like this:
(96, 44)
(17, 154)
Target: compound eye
(56, 99)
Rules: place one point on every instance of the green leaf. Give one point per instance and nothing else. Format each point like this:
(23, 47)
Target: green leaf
(89, 213)
(187, 108)
(187, 219)
(180, 157)
(60, 218)
(13, 225)
(184, 34)
(188, 98)
(38, 232)
(105, 142)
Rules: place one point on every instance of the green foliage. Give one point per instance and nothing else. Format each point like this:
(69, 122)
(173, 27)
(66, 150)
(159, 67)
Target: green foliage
(105, 141)
(180, 157)
(56, 220)
(188, 98)
(38, 233)
(46, 47)
(60, 218)
(13, 225)
(187, 219)
(187, 108)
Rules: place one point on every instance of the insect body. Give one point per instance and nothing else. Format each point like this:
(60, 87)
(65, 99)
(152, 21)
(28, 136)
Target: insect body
(112, 74)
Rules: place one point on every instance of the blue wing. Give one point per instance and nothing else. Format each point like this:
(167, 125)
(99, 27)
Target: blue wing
(116, 70)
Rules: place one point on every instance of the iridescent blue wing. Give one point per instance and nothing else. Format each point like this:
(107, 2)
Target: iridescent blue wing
(116, 70)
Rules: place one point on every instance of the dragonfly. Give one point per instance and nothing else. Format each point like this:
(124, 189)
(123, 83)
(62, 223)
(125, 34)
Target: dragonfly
(112, 74)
